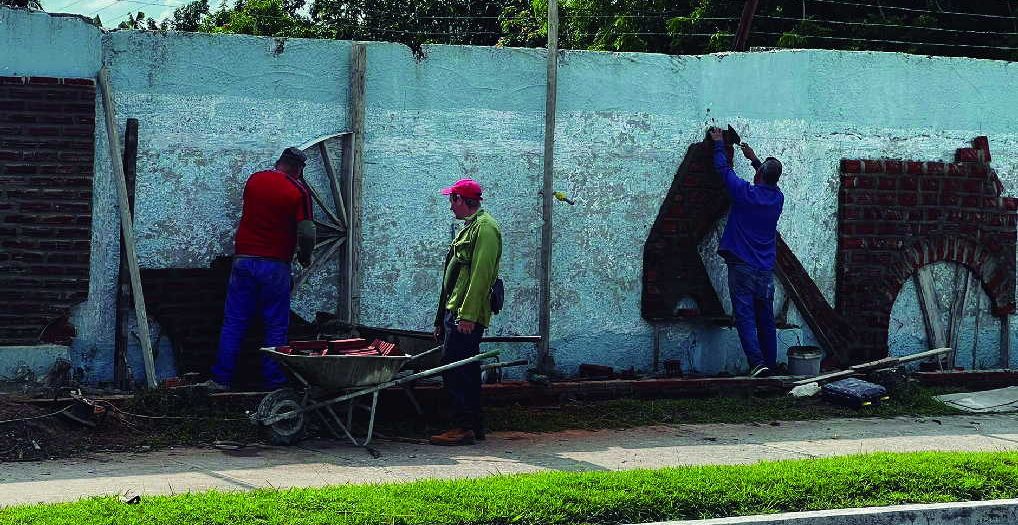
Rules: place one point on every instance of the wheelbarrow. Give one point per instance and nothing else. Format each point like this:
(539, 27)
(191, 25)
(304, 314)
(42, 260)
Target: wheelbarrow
(337, 380)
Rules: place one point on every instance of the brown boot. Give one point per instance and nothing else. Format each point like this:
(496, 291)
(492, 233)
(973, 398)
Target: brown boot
(455, 436)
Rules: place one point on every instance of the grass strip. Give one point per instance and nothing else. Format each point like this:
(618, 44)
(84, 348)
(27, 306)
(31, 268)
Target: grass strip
(576, 498)
(630, 413)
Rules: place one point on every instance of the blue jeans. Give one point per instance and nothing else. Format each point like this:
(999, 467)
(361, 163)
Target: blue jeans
(463, 383)
(257, 286)
(752, 294)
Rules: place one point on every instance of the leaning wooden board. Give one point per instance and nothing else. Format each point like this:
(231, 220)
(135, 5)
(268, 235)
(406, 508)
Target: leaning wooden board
(886, 362)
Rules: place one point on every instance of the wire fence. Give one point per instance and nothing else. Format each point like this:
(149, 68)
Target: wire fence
(831, 24)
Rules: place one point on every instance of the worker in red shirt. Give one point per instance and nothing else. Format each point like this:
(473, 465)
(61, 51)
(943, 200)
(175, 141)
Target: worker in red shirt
(277, 218)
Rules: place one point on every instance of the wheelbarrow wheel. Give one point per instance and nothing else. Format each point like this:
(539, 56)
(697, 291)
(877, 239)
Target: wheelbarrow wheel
(286, 431)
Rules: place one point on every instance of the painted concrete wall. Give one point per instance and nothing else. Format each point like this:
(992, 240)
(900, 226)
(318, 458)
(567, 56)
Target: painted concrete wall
(214, 108)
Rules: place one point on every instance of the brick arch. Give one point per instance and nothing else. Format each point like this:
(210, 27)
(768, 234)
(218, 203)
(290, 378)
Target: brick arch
(873, 324)
(897, 216)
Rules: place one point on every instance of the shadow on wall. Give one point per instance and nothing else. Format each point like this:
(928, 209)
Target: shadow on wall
(895, 216)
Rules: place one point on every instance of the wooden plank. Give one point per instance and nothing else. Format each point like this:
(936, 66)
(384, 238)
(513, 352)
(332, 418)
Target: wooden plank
(315, 265)
(935, 335)
(120, 369)
(127, 228)
(345, 277)
(321, 204)
(358, 66)
(335, 186)
(544, 358)
(337, 196)
(886, 362)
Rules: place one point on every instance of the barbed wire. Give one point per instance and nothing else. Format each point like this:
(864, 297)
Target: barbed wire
(912, 9)
(900, 42)
(884, 25)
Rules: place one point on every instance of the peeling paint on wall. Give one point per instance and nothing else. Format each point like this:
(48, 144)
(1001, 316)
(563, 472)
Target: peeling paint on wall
(215, 108)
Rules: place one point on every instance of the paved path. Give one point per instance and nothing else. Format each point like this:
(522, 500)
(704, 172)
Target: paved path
(317, 463)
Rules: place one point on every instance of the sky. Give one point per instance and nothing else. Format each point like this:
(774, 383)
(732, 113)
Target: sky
(112, 12)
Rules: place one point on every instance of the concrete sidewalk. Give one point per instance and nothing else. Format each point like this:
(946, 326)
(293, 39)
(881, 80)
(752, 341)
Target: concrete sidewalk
(317, 463)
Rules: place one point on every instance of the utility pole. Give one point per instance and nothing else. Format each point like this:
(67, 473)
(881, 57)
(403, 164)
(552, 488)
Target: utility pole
(545, 362)
(742, 35)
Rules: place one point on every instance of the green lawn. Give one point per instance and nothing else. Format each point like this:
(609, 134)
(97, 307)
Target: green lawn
(576, 498)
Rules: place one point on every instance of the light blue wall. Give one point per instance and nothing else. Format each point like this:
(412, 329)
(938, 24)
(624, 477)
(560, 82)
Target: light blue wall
(214, 108)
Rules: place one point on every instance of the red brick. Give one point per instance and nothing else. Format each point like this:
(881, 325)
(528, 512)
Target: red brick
(982, 143)
(914, 168)
(43, 80)
(851, 166)
(873, 166)
(79, 81)
(935, 167)
(977, 170)
(966, 155)
(907, 199)
(1011, 203)
(852, 244)
(893, 166)
(909, 183)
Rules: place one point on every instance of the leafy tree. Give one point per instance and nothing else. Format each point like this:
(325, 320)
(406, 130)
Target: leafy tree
(140, 21)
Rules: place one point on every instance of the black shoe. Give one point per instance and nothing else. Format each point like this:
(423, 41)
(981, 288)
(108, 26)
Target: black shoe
(760, 371)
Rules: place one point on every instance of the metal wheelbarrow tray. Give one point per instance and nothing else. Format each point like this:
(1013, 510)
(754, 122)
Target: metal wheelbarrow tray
(336, 372)
(341, 380)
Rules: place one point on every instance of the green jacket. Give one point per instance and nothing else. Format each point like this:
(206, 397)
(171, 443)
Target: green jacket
(472, 263)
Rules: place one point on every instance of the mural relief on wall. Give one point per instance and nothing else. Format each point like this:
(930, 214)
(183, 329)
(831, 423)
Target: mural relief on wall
(895, 216)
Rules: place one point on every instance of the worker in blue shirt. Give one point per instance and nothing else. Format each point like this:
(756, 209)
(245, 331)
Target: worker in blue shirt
(748, 248)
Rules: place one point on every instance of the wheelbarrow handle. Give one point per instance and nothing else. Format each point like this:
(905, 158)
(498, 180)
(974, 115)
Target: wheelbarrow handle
(422, 354)
(382, 386)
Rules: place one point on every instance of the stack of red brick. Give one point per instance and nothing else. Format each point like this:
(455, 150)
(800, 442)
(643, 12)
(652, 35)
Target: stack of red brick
(354, 347)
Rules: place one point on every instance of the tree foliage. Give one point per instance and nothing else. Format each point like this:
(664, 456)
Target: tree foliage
(934, 27)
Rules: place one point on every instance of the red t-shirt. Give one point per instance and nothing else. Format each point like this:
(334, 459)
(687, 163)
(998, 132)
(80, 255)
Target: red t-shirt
(274, 203)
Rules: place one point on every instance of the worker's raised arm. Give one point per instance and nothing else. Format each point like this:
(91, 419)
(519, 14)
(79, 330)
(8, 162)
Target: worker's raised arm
(733, 183)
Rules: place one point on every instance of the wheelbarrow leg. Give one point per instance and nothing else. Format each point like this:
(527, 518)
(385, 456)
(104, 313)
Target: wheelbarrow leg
(342, 426)
(371, 418)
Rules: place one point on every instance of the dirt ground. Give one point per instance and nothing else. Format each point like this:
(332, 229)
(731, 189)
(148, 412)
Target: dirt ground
(28, 434)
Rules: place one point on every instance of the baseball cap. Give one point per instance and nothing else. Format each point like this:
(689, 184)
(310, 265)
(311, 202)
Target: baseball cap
(466, 188)
(294, 156)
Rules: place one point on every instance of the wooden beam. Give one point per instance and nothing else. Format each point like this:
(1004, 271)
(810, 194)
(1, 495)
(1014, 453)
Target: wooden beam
(317, 263)
(120, 368)
(127, 227)
(358, 67)
(742, 35)
(544, 358)
(334, 184)
(936, 337)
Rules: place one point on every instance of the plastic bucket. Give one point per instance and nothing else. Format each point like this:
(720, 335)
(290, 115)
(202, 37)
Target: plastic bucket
(804, 360)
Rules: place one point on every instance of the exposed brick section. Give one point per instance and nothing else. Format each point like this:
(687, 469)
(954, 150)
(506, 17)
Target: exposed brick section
(672, 266)
(47, 128)
(908, 214)
(188, 305)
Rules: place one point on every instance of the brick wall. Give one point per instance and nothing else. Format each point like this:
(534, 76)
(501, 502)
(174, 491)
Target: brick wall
(188, 304)
(672, 266)
(897, 215)
(47, 128)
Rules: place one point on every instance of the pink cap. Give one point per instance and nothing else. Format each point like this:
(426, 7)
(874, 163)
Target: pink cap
(466, 188)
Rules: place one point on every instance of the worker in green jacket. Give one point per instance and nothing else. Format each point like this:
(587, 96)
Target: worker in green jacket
(464, 310)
